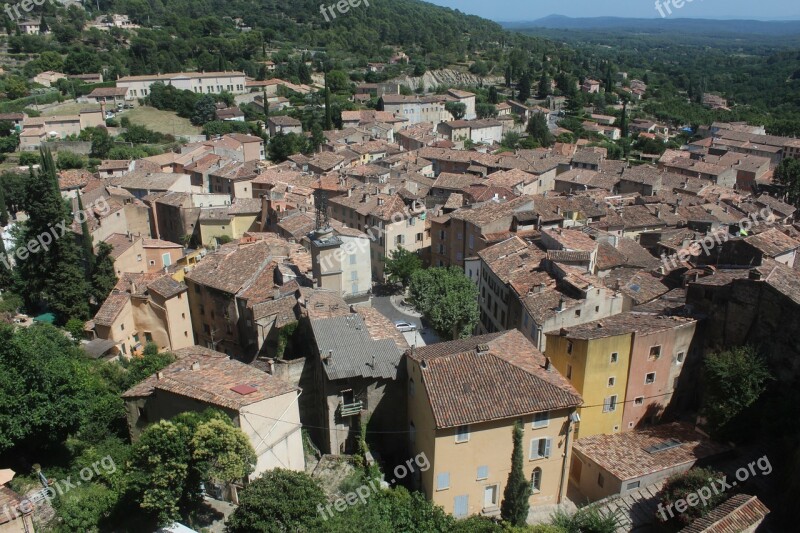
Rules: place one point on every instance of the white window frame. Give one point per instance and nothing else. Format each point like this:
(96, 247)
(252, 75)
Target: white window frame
(646, 382)
(462, 436)
(542, 417)
(612, 381)
(536, 484)
(610, 404)
(542, 447)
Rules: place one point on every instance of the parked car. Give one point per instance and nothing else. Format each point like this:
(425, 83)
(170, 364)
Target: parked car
(405, 326)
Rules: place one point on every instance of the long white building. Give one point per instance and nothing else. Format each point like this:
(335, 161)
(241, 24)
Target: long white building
(198, 82)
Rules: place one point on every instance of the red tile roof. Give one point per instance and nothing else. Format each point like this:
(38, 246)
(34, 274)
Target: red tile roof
(462, 380)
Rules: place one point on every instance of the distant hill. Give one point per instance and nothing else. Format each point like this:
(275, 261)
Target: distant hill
(661, 25)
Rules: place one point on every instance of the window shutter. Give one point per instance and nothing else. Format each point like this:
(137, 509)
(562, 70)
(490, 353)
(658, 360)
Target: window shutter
(547, 443)
(606, 405)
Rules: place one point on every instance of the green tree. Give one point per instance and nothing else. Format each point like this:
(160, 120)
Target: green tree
(457, 109)
(788, 175)
(205, 110)
(84, 507)
(283, 145)
(401, 265)
(280, 500)
(224, 451)
(734, 381)
(538, 130)
(104, 278)
(160, 469)
(585, 520)
(69, 160)
(516, 495)
(51, 274)
(682, 485)
(494, 97)
(101, 142)
(46, 386)
(524, 88)
(3, 209)
(544, 86)
(86, 241)
(392, 510)
(484, 110)
(27, 159)
(448, 299)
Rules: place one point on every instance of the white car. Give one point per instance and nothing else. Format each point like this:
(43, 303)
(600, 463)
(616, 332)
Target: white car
(403, 327)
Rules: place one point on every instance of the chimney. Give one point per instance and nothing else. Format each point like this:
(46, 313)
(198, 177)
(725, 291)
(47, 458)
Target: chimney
(196, 365)
(159, 375)
(547, 364)
(755, 275)
(561, 304)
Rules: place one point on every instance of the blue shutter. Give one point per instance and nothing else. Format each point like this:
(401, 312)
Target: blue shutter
(461, 506)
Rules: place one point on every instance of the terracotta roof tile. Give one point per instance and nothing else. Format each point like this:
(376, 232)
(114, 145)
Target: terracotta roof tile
(625, 454)
(462, 384)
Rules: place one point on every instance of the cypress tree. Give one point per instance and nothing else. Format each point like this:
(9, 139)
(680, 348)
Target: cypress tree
(516, 496)
(104, 277)
(3, 208)
(86, 241)
(328, 115)
(51, 273)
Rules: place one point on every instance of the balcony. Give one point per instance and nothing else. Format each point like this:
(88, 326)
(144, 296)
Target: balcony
(350, 409)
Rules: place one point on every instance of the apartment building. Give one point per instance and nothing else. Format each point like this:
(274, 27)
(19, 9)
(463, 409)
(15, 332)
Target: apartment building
(264, 407)
(225, 288)
(340, 258)
(357, 365)
(463, 422)
(198, 82)
(387, 220)
(418, 109)
(144, 308)
(627, 367)
(465, 232)
(137, 254)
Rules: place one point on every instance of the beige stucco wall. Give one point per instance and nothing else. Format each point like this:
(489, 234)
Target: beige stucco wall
(273, 427)
(131, 260)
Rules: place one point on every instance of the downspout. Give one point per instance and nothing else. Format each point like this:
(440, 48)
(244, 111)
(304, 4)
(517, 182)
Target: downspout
(564, 470)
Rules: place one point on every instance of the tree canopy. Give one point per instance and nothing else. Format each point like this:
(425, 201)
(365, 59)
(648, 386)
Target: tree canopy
(447, 299)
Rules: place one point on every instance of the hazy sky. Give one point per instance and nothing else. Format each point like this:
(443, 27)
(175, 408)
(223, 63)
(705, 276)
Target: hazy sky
(519, 10)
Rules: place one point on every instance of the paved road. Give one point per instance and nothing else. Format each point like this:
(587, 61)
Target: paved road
(421, 337)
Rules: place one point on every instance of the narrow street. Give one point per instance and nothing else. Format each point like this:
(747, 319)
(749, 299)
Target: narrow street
(421, 337)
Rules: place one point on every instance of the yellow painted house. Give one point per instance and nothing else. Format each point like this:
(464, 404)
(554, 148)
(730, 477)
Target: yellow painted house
(595, 360)
(464, 398)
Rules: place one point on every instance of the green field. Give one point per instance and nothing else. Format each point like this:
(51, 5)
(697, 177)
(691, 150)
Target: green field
(70, 108)
(166, 122)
